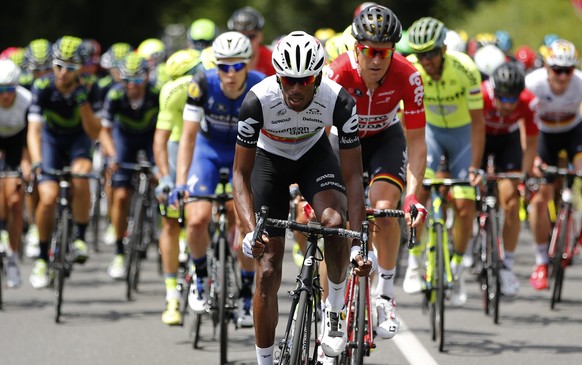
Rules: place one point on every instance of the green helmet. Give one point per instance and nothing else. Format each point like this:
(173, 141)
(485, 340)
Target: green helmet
(201, 34)
(182, 63)
(152, 49)
(113, 56)
(38, 55)
(403, 47)
(426, 34)
(133, 65)
(70, 49)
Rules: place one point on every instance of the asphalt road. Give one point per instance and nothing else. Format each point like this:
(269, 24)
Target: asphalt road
(99, 326)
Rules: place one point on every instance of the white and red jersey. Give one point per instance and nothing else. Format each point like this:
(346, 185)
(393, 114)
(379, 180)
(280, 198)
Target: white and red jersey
(496, 124)
(378, 108)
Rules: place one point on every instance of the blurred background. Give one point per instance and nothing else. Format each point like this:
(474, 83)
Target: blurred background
(132, 21)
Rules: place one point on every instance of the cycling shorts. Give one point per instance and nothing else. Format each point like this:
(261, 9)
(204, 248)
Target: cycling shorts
(315, 171)
(209, 157)
(550, 145)
(12, 147)
(127, 146)
(506, 149)
(60, 150)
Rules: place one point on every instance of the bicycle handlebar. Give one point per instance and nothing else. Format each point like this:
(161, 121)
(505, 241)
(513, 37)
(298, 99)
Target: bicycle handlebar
(396, 213)
(428, 183)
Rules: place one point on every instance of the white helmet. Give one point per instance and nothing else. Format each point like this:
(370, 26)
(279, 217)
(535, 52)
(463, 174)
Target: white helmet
(454, 42)
(562, 53)
(488, 58)
(298, 55)
(232, 45)
(9, 72)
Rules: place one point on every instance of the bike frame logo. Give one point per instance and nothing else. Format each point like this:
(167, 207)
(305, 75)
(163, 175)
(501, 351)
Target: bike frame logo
(308, 261)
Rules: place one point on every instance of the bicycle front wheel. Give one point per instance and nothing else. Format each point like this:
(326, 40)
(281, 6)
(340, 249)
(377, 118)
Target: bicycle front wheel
(59, 262)
(300, 347)
(557, 270)
(492, 269)
(132, 256)
(223, 310)
(96, 215)
(361, 325)
(440, 280)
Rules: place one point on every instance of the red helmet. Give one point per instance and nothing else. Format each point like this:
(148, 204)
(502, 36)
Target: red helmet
(526, 56)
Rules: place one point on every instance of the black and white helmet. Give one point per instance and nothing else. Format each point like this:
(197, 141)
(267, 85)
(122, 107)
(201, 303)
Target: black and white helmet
(232, 45)
(298, 55)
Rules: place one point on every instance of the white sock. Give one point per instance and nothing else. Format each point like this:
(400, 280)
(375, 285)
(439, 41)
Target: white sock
(508, 260)
(336, 295)
(413, 261)
(385, 285)
(542, 254)
(264, 356)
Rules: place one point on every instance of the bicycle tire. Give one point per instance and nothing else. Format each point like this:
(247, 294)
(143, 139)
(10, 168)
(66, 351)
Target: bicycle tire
(223, 312)
(1, 278)
(96, 215)
(440, 288)
(361, 327)
(493, 262)
(557, 273)
(299, 349)
(197, 321)
(184, 287)
(59, 262)
(132, 249)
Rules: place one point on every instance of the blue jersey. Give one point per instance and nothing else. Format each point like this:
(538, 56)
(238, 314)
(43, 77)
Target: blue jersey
(218, 114)
(118, 110)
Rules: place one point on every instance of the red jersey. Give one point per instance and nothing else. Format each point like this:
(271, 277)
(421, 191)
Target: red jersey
(495, 123)
(265, 63)
(377, 109)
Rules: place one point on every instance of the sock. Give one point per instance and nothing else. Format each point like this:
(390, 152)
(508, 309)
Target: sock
(542, 254)
(336, 295)
(171, 282)
(81, 228)
(119, 249)
(264, 356)
(2, 224)
(385, 285)
(44, 248)
(201, 268)
(247, 279)
(413, 260)
(509, 260)
(457, 258)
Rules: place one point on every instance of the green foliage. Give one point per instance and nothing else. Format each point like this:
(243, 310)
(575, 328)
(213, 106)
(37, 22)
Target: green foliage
(527, 21)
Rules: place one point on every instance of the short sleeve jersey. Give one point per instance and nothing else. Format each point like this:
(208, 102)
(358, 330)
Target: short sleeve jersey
(172, 101)
(556, 113)
(377, 109)
(265, 121)
(447, 101)
(496, 124)
(13, 118)
(118, 109)
(217, 114)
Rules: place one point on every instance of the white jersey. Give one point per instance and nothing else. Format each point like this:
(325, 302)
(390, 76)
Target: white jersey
(556, 113)
(13, 119)
(265, 121)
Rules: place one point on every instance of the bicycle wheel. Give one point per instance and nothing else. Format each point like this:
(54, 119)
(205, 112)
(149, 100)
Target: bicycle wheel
(184, 287)
(223, 310)
(132, 255)
(440, 281)
(1, 277)
(300, 344)
(557, 270)
(361, 325)
(493, 266)
(96, 215)
(59, 261)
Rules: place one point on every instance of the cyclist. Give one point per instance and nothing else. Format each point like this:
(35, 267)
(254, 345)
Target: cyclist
(250, 22)
(38, 60)
(207, 144)
(558, 87)
(180, 67)
(14, 103)
(128, 122)
(281, 140)
(508, 106)
(61, 126)
(454, 115)
(202, 33)
(154, 51)
(378, 79)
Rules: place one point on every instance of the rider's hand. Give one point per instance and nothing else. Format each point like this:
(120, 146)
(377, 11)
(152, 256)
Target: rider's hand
(254, 250)
(420, 218)
(166, 184)
(180, 189)
(538, 166)
(363, 268)
(36, 167)
(474, 176)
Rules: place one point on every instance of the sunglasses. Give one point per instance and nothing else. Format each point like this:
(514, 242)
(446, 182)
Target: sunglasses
(292, 81)
(69, 67)
(507, 99)
(134, 80)
(7, 89)
(228, 67)
(562, 70)
(373, 52)
(430, 54)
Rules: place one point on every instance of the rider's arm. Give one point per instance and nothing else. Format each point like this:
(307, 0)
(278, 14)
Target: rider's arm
(416, 145)
(34, 141)
(161, 137)
(91, 123)
(106, 141)
(477, 137)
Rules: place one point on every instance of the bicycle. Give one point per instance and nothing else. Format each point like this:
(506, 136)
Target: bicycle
(98, 194)
(487, 248)
(360, 336)
(141, 224)
(62, 252)
(4, 249)
(294, 347)
(438, 279)
(564, 235)
(223, 283)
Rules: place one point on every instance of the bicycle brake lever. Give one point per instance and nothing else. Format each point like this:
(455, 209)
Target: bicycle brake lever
(412, 236)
